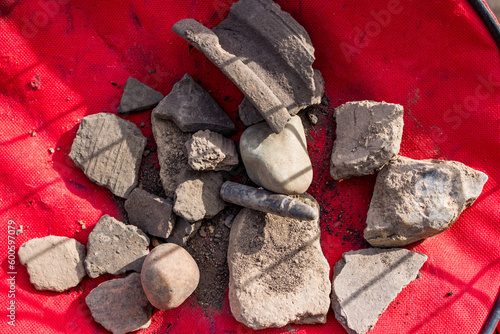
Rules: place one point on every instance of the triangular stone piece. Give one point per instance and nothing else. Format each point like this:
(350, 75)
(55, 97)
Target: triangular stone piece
(366, 281)
(138, 97)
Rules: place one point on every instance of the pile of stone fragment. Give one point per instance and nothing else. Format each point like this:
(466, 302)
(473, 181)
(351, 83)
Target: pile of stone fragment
(278, 273)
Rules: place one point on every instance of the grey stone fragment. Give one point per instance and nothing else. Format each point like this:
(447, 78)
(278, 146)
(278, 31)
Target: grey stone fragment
(193, 109)
(278, 80)
(120, 305)
(138, 97)
(416, 199)
(277, 162)
(150, 213)
(114, 248)
(277, 271)
(211, 151)
(198, 195)
(266, 201)
(366, 281)
(368, 137)
(183, 231)
(109, 151)
(172, 154)
(53, 263)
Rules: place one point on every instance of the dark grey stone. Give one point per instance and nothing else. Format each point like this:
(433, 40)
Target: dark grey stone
(183, 231)
(114, 248)
(109, 151)
(138, 97)
(150, 213)
(193, 109)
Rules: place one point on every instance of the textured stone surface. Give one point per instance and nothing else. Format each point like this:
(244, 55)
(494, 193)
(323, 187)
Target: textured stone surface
(150, 213)
(278, 273)
(193, 109)
(211, 151)
(169, 276)
(172, 154)
(109, 151)
(183, 231)
(198, 195)
(114, 248)
(278, 80)
(138, 97)
(416, 199)
(277, 162)
(53, 263)
(366, 281)
(120, 305)
(368, 136)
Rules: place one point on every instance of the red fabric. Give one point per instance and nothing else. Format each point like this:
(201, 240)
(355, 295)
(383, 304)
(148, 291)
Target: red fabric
(58, 59)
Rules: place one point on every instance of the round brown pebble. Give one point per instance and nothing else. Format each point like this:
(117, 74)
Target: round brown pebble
(169, 276)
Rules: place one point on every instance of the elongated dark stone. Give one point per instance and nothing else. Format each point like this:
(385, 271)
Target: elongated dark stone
(266, 201)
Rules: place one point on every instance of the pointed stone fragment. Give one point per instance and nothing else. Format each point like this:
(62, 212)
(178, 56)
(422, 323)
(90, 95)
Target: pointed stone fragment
(278, 273)
(211, 151)
(366, 281)
(183, 231)
(138, 97)
(150, 213)
(120, 305)
(114, 248)
(53, 263)
(198, 195)
(368, 136)
(193, 109)
(416, 199)
(172, 154)
(109, 151)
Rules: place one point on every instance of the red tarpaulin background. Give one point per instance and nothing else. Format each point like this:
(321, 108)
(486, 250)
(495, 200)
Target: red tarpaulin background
(62, 60)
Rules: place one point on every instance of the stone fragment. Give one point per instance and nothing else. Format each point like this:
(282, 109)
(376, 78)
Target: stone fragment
(366, 281)
(114, 248)
(53, 263)
(109, 151)
(172, 154)
(277, 162)
(150, 213)
(278, 273)
(183, 231)
(211, 151)
(416, 199)
(169, 276)
(193, 109)
(266, 201)
(120, 305)
(138, 97)
(198, 195)
(278, 82)
(368, 137)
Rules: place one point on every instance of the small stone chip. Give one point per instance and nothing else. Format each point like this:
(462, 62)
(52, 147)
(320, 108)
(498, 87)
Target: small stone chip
(51, 150)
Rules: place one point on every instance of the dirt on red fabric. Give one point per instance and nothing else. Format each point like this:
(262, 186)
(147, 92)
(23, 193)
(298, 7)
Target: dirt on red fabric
(63, 60)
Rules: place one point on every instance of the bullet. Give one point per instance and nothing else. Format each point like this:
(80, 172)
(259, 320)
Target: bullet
(266, 201)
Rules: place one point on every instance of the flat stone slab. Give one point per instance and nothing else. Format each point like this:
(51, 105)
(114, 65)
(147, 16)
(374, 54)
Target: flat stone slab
(198, 195)
(150, 213)
(53, 263)
(120, 305)
(172, 154)
(209, 150)
(114, 248)
(366, 281)
(193, 109)
(278, 273)
(278, 82)
(138, 97)
(368, 137)
(278, 162)
(109, 151)
(183, 231)
(416, 199)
